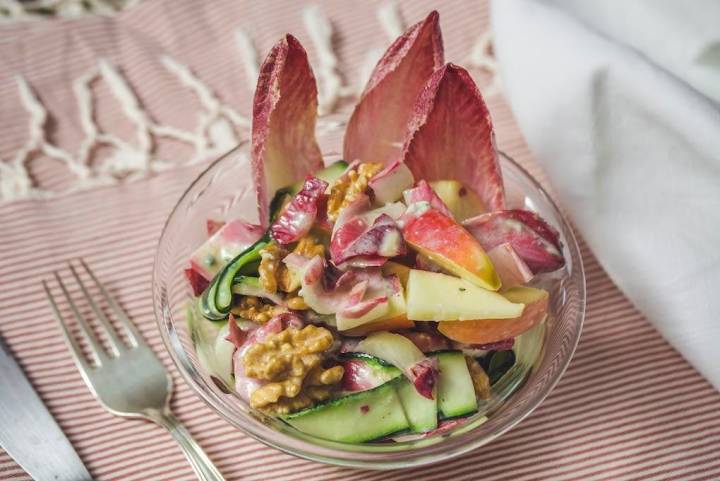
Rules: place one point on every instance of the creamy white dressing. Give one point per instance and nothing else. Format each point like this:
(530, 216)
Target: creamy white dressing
(390, 244)
(417, 208)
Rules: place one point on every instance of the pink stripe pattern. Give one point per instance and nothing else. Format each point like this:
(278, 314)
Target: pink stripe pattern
(628, 407)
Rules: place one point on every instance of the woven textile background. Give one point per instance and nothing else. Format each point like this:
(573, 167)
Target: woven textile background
(628, 407)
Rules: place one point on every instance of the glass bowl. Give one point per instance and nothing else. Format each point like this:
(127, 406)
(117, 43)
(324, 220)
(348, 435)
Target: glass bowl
(224, 191)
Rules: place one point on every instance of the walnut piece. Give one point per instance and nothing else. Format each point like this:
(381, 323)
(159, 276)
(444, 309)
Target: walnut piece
(291, 363)
(274, 275)
(345, 189)
(271, 257)
(253, 309)
(309, 246)
(481, 381)
(297, 303)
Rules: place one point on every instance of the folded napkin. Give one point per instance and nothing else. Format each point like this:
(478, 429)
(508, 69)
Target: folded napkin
(619, 102)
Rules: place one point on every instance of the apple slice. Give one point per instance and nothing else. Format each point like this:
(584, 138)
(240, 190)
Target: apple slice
(432, 296)
(487, 331)
(450, 136)
(403, 354)
(509, 266)
(380, 117)
(389, 184)
(534, 240)
(422, 192)
(391, 268)
(362, 312)
(462, 202)
(392, 317)
(392, 324)
(284, 149)
(446, 243)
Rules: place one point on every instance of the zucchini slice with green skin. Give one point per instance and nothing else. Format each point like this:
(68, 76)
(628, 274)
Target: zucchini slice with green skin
(356, 418)
(367, 372)
(206, 303)
(455, 390)
(247, 286)
(216, 301)
(421, 412)
(368, 358)
(250, 286)
(329, 174)
(364, 372)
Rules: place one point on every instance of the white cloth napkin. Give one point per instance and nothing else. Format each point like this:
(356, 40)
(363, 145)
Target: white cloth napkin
(619, 101)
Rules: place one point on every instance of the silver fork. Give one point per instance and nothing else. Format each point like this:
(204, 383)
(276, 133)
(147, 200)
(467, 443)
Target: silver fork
(128, 380)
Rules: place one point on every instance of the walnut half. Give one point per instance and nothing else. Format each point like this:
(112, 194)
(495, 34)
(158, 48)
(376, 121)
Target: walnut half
(291, 363)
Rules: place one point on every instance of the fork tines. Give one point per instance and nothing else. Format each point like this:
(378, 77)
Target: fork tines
(115, 343)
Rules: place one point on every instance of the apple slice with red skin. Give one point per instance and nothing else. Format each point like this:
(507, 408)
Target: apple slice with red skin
(450, 136)
(534, 240)
(488, 331)
(446, 243)
(379, 120)
(283, 128)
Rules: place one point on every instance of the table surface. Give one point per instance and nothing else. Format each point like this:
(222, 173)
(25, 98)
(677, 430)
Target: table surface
(628, 407)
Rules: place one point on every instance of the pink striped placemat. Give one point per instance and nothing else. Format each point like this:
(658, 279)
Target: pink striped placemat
(629, 407)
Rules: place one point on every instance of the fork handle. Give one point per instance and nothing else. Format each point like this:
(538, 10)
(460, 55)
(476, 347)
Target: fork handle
(201, 464)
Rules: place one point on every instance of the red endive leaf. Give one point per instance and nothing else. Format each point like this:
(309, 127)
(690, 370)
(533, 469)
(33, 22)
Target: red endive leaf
(450, 136)
(378, 123)
(284, 149)
(535, 241)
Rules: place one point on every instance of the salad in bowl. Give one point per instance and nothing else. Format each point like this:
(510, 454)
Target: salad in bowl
(388, 297)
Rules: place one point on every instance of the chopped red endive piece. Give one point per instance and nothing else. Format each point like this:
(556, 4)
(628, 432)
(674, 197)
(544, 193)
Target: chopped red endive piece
(535, 241)
(235, 335)
(424, 375)
(298, 217)
(357, 376)
(422, 192)
(198, 283)
(383, 239)
(513, 271)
